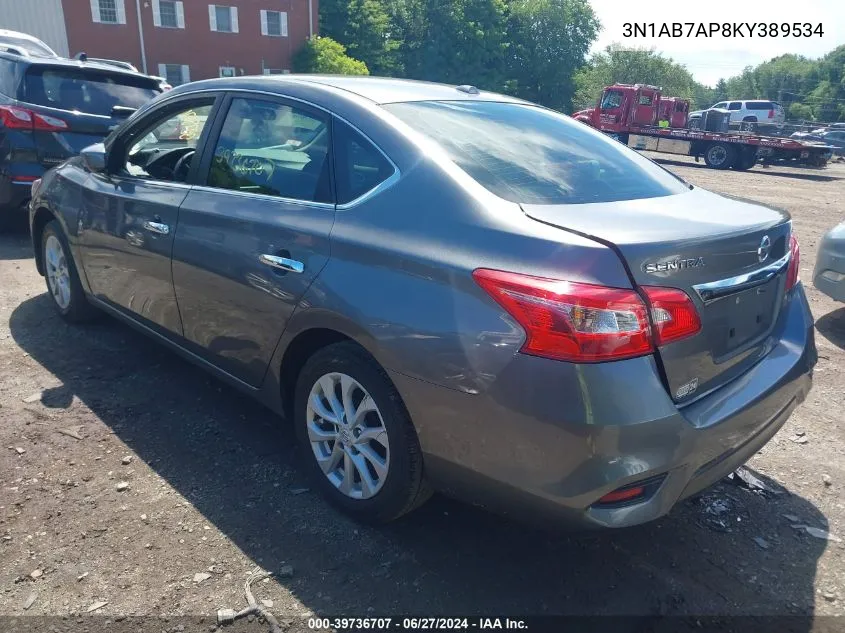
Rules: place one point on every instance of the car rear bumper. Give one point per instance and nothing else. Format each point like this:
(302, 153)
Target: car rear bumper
(14, 193)
(830, 264)
(548, 439)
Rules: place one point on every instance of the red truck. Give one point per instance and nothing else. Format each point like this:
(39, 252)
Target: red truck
(633, 114)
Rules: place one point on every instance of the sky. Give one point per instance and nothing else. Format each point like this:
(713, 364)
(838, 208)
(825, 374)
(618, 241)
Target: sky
(709, 59)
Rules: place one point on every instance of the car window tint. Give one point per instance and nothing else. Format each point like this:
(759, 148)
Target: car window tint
(273, 149)
(359, 166)
(721, 104)
(157, 144)
(529, 154)
(735, 105)
(760, 105)
(86, 91)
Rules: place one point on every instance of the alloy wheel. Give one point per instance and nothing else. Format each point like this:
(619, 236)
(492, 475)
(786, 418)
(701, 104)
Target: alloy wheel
(347, 435)
(58, 275)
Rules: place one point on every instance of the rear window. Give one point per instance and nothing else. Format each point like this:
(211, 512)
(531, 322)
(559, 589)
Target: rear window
(528, 154)
(760, 105)
(86, 91)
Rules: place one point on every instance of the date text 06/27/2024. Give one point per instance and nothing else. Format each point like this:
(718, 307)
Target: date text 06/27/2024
(722, 29)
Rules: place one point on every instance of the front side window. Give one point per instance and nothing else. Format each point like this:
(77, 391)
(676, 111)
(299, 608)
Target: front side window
(646, 99)
(722, 104)
(612, 99)
(528, 154)
(359, 166)
(156, 147)
(273, 149)
(735, 105)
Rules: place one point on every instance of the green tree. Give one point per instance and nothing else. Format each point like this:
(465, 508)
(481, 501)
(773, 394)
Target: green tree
(454, 41)
(549, 43)
(367, 30)
(631, 66)
(325, 55)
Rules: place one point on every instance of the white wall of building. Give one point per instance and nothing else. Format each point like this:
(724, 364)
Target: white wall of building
(43, 19)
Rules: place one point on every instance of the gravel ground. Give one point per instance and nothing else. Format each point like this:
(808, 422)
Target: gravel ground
(131, 478)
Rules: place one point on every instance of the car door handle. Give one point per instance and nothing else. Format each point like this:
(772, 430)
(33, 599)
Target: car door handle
(282, 263)
(157, 227)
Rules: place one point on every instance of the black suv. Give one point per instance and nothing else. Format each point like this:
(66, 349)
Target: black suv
(50, 109)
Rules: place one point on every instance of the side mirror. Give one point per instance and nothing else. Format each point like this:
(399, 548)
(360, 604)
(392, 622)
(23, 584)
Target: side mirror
(94, 157)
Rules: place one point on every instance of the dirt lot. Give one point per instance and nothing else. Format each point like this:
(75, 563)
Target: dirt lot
(214, 489)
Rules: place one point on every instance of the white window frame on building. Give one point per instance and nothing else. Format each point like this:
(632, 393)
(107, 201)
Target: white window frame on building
(228, 71)
(184, 73)
(179, 8)
(265, 23)
(212, 17)
(97, 11)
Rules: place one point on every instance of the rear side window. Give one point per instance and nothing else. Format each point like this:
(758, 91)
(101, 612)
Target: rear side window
(359, 166)
(528, 154)
(86, 91)
(273, 149)
(7, 78)
(760, 105)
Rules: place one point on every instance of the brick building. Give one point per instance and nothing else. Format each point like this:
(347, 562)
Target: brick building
(182, 40)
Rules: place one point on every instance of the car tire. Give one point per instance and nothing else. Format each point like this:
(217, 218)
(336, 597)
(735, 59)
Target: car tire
(372, 465)
(720, 155)
(63, 285)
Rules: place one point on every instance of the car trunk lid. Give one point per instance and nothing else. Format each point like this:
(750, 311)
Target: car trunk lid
(728, 255)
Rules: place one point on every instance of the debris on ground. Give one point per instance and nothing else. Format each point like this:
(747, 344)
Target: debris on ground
(30, 600)
(299, 491)
(122, 486)
(82, 576)
(743, 477)
(201, 576)
(818, 533)
(761, 542)
(72, 431)
(716, 509)
(19, 450)
(96, 606)
(36, 574)
(228, 616)
(828, 481)
(791, 517)
(126, 460)
(799, 439)
(35, 397)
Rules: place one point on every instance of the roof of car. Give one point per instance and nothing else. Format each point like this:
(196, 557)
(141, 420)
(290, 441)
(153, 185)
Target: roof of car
(376, 89)
(69, 63)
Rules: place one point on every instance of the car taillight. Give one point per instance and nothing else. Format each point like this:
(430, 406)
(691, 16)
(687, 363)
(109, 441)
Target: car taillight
(673, 314)
(15, 118)
(794, 261)
(772, 113)
(571, 321)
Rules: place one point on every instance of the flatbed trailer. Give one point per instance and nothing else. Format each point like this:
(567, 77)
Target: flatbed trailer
(723, 150)
(630, 113)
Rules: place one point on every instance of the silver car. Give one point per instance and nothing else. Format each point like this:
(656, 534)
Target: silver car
(441, 289)
(829, 274)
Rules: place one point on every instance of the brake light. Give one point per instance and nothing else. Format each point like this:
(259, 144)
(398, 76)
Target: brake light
(794, 262)
(772, 113)
(15, 118)
(673, 314)
(571, 321)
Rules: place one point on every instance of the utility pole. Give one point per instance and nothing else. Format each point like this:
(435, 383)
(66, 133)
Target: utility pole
(141, 37)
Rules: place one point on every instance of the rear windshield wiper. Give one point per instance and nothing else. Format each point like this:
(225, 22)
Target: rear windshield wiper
(122, 111)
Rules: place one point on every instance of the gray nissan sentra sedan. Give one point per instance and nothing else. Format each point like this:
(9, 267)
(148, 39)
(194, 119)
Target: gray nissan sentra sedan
(441, 289)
